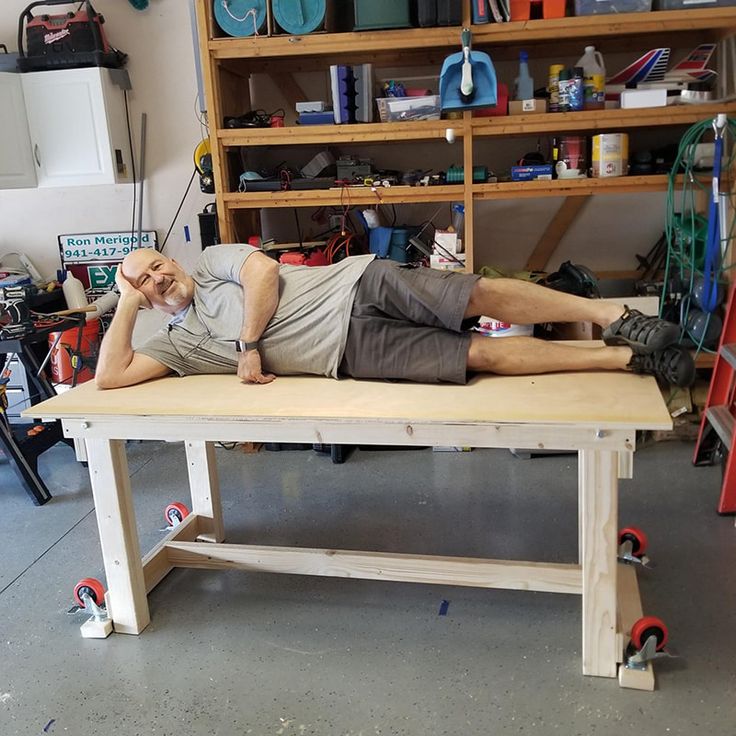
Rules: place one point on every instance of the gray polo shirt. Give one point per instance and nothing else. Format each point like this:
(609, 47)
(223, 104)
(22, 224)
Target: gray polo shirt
(307, 334)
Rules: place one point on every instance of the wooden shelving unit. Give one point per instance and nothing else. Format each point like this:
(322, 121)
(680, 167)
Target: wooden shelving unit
(228, 63)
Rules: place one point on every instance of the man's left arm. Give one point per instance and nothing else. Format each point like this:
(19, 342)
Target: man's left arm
(259, 277)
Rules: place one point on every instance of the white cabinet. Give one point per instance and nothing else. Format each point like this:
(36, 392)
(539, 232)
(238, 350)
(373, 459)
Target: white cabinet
(76, 130)
(17, 169)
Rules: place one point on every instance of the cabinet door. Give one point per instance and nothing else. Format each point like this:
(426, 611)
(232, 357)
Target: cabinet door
(16, 162)
(68, 127)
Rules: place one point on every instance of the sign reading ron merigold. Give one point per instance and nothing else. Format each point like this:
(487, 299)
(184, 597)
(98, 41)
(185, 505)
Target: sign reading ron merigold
(95, 247)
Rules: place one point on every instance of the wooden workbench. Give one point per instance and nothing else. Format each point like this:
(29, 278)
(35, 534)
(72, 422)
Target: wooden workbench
(595, 414)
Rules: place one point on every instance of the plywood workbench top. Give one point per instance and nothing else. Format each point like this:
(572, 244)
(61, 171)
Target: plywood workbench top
(606, 400)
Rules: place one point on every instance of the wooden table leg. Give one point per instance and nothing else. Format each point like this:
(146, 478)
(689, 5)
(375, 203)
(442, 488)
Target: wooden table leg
(205, 487)
(598, 479)
(121, 554)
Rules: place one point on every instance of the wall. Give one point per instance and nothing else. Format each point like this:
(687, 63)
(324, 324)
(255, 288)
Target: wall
(161, 66)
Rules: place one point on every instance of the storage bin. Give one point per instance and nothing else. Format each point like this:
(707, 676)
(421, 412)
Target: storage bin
(522, 9)
(439, 13)
(376, 14)
(685, 4)
(602, 7)
(299, 17)
(396, 109)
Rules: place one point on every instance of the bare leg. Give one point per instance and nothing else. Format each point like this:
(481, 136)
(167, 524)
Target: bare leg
(521, 302)
(514, 356)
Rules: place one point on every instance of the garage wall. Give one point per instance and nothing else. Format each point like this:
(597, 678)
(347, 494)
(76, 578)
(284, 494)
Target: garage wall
(161, 67)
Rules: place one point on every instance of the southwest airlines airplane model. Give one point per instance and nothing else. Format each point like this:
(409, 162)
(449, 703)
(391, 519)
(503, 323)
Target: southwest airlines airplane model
(650, 71)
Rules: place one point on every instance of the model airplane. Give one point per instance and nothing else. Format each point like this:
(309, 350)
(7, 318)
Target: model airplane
(650, 71)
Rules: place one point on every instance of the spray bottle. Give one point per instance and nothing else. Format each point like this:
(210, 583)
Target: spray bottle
(595, 78)
(524, 82)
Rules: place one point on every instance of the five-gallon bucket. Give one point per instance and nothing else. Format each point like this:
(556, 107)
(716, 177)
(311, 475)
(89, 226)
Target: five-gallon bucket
(62, 367)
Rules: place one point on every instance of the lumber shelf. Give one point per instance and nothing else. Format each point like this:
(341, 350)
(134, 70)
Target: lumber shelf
(595, 120)
(390, 42)
(349, 196)
(507, 125)
(344, 196)
(571, 187)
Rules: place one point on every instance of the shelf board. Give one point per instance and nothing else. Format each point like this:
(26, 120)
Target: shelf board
(595, 120)
(344, 196)
(721, 21)
(705, 360)
(335, 134)
(508, 125)
(571, 187)
(449, 193)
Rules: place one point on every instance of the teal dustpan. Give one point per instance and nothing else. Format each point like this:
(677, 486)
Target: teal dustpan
(467, 79)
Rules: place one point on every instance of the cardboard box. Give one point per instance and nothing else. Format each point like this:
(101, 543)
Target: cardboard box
(532, 172)
(447, 240)
(637, 98)
(526, 107)
(447, 264)
(588, 331)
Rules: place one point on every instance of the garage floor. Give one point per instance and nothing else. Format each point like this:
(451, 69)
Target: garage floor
(235, 653)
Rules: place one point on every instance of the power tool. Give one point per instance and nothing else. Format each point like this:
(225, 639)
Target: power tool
(15, 315)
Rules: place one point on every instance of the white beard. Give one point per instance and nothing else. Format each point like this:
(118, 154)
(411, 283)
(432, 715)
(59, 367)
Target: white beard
(174, 297)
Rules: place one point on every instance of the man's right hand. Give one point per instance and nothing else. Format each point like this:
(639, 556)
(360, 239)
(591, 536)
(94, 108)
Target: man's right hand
(128, 291)
(250, 370)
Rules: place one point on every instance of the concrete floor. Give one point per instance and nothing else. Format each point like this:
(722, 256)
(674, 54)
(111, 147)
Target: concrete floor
(235, 653)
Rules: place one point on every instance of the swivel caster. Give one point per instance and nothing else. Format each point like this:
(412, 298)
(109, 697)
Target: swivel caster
(648, 638)
(175, 513)
(632, 544)
(90, 596)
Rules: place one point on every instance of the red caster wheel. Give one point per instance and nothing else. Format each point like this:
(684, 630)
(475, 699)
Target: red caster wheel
(91, 587)
(638, 539)
(175, 513)
(646, 627)
(636, 536)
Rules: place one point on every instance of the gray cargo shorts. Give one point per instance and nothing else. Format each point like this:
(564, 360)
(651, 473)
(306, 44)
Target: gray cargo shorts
(407, 323)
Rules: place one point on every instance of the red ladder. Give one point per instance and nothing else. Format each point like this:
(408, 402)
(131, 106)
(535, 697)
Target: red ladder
(718, 424)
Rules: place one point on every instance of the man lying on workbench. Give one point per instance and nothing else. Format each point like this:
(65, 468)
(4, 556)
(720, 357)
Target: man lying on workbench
(242, 312)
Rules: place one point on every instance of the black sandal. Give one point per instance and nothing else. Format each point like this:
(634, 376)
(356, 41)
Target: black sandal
(642, 333)
(674, 365)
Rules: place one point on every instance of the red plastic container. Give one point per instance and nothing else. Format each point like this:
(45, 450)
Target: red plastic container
(522, 9)
(501, 107)
(62, 369)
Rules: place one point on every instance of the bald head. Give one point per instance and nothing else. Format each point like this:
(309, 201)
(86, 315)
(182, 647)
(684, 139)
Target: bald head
(160, 279)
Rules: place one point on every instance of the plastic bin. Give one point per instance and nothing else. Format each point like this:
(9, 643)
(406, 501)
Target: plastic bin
(522, 9)
(375, 14)
(439, 13)
(396, 109)
(686, 4)
(603, 7)
(62, 369)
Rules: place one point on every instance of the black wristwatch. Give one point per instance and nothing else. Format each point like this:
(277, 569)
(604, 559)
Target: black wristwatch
(243, 347)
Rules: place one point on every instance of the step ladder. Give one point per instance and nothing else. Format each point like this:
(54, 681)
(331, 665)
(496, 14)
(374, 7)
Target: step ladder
(717, 433)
